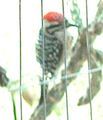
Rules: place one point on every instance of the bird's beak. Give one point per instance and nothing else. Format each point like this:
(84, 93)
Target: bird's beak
(71, 25)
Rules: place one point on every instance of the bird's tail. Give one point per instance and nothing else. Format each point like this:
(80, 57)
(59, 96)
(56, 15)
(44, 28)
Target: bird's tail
(44, 89)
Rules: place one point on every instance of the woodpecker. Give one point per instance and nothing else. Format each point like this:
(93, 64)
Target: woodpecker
(53, 33)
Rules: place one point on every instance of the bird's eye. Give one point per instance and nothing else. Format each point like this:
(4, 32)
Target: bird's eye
(55, 27)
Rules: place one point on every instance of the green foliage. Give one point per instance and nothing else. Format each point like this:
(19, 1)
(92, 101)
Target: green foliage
(57, 109)
(14, 108)
(99, 15)
(75, 12)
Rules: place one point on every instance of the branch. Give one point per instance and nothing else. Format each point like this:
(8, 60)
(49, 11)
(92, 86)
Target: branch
(95, 79)
(3, 78)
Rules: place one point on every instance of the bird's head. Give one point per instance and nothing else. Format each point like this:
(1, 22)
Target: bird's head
(55, 19)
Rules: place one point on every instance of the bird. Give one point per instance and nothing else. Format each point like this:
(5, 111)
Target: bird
(52, 35)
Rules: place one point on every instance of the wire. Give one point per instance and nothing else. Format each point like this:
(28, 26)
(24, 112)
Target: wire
(28, 84)
(88, 57)
(80, 73)
(20, 52)
(65, 61)
(43, 69)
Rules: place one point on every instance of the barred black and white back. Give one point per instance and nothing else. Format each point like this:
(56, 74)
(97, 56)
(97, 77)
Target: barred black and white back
(53, 50)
